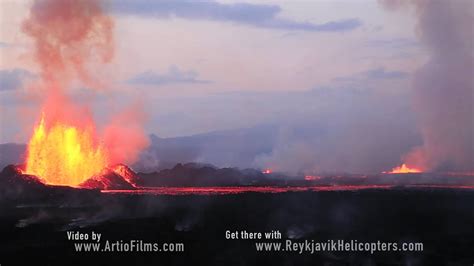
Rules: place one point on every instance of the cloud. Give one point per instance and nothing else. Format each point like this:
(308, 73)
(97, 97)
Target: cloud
(172, 76)
(374, 74)
(396, 43)
(12, 79)
(257, 15)
(4, 45)
(381, 73)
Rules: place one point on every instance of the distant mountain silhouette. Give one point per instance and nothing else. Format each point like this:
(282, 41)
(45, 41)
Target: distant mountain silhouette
(227, 148)
(11, 153)
(193, 174)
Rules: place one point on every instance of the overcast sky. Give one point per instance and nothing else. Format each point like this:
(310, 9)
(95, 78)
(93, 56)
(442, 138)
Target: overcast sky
(204, 66)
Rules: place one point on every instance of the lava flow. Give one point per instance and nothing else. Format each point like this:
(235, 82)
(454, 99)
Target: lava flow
(64, 155)
(403, 169)
(311, 177)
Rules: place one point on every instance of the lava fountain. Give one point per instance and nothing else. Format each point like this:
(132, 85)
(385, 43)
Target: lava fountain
(64, 155)
(70, 38)
(403, 169)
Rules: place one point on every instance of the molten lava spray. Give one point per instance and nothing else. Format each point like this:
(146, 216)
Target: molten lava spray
(76, 159)
(403, 169)
(69, 37)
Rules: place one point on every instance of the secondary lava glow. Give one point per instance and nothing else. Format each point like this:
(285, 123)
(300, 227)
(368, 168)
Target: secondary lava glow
(311, 177)
(267, 171)
(403, 169)
(64, 155)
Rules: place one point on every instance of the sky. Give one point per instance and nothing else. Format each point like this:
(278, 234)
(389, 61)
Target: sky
(343, 68)
(198, 64)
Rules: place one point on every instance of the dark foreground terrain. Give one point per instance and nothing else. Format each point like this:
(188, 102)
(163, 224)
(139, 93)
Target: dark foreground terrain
(33, 230)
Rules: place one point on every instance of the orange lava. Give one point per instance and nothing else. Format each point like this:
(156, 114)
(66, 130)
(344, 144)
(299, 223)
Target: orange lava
(177, 191)
(64, 155)
(403, 169)
(267, 171)
(311, 177)
(239, 190)
(126, 173)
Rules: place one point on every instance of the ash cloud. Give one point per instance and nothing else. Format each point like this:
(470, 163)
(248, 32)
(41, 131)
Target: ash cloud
(443, 89)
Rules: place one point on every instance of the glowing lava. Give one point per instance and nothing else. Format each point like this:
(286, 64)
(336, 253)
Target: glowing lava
(267, 171)
(64, 155)
(403, 169)
(311, 177)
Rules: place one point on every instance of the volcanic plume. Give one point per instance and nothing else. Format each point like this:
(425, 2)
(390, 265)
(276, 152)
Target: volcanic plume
(66, 148)
(443, 87)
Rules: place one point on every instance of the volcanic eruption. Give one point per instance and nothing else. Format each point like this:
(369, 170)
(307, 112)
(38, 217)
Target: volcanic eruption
(403, 169)
(443, 87)
(63, 154)
(65, 147)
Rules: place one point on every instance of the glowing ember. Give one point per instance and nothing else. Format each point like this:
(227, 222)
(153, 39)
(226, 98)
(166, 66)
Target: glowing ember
(267, 171)
(63, 155)
(403, 169)
(311, 177)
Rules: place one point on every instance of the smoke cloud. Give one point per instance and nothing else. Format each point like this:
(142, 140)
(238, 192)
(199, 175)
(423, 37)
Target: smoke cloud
(67, 35)
(124, 135)
(340, 130)
(443, 88)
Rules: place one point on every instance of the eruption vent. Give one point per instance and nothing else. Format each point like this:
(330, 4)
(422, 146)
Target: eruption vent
(403, 169)
(64, 155)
